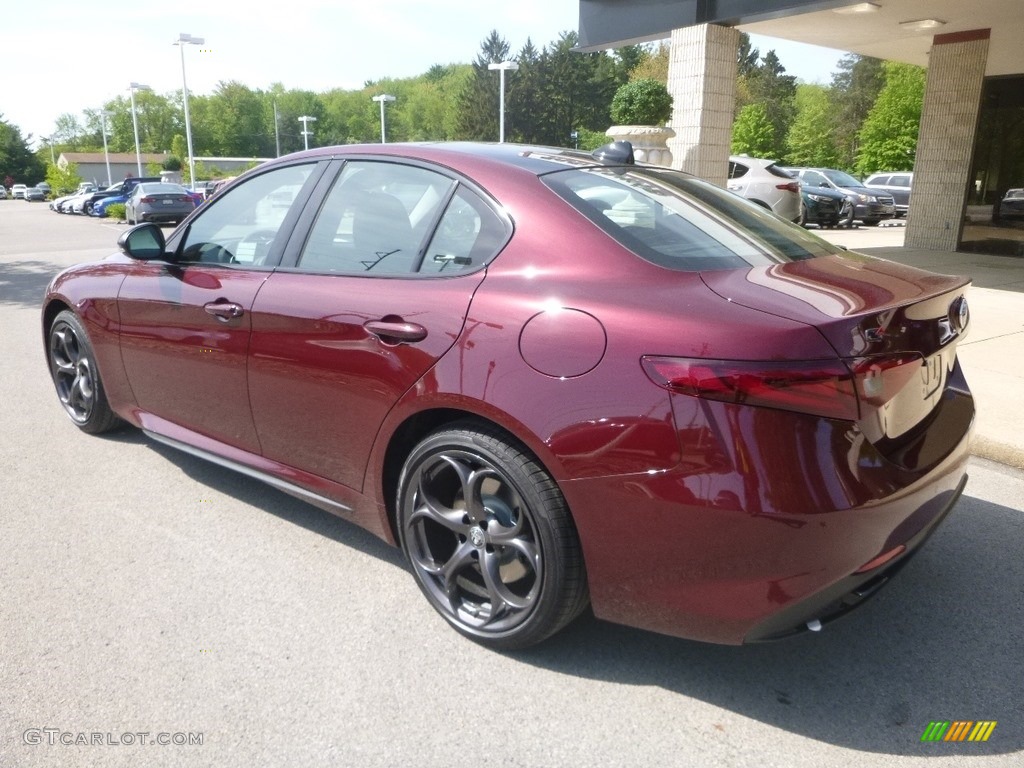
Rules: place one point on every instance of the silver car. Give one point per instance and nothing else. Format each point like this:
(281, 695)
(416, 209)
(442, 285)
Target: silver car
(34, 193)
(158, 202)
(766, 184)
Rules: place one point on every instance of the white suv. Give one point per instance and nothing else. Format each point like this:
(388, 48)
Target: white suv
(765, 183)
(18, 191)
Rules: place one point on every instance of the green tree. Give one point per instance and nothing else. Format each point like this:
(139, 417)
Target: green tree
(888, 138)
(809, 141)
(653, 65)
(855, 86)
(478, 102)
(16, 159)
(753, 133)
(64, 180)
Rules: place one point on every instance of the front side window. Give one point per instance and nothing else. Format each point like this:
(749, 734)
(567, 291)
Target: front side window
(375, 220)
(241, 224)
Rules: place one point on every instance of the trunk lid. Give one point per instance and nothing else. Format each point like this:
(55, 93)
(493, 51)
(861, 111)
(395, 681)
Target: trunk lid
(896, 328)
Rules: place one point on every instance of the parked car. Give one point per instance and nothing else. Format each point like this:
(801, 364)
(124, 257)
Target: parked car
(74, 203)
(34, 193)
(870, 205)
(1012, 204)
(99, 208)
(549, 377)
(825, 207)
(768, 185)
(3, 192)
(121, 188)
(896, 184)
(158, 202)
(18, 191)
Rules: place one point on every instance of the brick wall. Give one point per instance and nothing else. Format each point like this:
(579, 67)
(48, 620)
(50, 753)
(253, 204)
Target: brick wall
(702, 81)
(945, 145)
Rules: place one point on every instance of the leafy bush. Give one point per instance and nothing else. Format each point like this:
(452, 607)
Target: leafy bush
(642, 102)
(115, 211)
(172, 163)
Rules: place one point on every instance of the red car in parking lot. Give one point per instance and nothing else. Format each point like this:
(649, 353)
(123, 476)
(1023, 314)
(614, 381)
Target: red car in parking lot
(552, 378)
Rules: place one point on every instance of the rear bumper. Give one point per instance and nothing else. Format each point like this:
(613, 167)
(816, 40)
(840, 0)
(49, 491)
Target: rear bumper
(763, 527)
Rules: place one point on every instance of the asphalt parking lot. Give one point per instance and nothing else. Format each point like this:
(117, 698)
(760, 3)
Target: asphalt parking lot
(143, 591)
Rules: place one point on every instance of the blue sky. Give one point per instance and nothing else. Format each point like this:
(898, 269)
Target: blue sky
(68, 56)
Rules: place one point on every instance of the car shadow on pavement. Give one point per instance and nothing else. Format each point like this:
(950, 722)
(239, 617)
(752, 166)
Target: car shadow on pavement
(24, 282)
(942, 642)
(268, 499)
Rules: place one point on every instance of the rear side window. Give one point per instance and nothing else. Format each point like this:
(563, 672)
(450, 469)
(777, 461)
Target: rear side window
(737, 171)
(680, 222)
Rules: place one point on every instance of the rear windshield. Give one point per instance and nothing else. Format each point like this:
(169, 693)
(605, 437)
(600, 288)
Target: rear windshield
(679, 222)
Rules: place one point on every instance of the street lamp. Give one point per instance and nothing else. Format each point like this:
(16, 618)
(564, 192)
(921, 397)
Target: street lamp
(306, 133)
(186, 39)
(383, 99)
(502, 67)
(106, 153)
(53, 157)
(133, 87)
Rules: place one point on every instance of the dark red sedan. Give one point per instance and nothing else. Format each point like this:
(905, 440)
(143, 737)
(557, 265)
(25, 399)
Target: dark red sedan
(552, 378)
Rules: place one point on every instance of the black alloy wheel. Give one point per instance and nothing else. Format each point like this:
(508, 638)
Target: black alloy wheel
(490, 538)
(76, 375)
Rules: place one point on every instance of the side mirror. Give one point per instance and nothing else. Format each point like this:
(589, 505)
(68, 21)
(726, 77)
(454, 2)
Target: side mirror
(144, 242)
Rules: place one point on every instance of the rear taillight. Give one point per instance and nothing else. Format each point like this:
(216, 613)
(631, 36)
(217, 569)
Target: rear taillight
(821, 387)
(793, 186)
(830, 388)
(148, 200)
(185, 199)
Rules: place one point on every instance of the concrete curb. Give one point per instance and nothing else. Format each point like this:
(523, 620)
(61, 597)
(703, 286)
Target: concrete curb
(993, 450)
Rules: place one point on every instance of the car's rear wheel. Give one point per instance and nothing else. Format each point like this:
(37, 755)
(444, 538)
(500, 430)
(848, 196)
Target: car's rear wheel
(490, 538)
(76, 375)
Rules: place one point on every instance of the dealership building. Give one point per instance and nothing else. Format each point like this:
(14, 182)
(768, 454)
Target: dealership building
(970, 148)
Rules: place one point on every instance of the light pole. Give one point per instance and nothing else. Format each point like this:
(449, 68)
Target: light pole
(186, 39)
(133, 87)
(106, 152)
(502, 67)
(306, 133)
(53, 157)
(383, 99)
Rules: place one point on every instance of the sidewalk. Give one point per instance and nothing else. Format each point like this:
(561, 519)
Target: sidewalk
(992, 354)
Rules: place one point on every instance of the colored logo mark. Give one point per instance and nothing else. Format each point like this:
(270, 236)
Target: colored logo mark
(958, 730)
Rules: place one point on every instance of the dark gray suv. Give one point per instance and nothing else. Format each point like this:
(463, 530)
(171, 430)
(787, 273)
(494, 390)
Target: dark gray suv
(870, 205)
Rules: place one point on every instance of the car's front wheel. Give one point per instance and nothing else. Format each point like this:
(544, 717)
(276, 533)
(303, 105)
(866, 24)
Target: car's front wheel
(76, 375)
(490, 538)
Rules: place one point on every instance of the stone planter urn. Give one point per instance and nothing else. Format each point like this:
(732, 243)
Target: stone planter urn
(650, 142)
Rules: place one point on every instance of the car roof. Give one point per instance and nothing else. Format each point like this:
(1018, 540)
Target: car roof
(465, 155)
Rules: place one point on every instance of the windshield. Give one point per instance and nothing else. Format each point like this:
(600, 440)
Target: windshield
(683, 223)
(841, 179)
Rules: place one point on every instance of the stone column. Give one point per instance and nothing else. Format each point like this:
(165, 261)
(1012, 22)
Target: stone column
(945, 143)
(702, 81)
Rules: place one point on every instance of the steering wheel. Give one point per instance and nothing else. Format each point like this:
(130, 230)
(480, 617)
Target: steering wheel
(258, 243)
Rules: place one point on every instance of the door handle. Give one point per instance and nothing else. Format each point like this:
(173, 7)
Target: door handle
(224, 310)
(391, 331)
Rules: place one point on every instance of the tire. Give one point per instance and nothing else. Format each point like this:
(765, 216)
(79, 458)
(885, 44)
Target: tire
(76, 375)
(504, 569)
